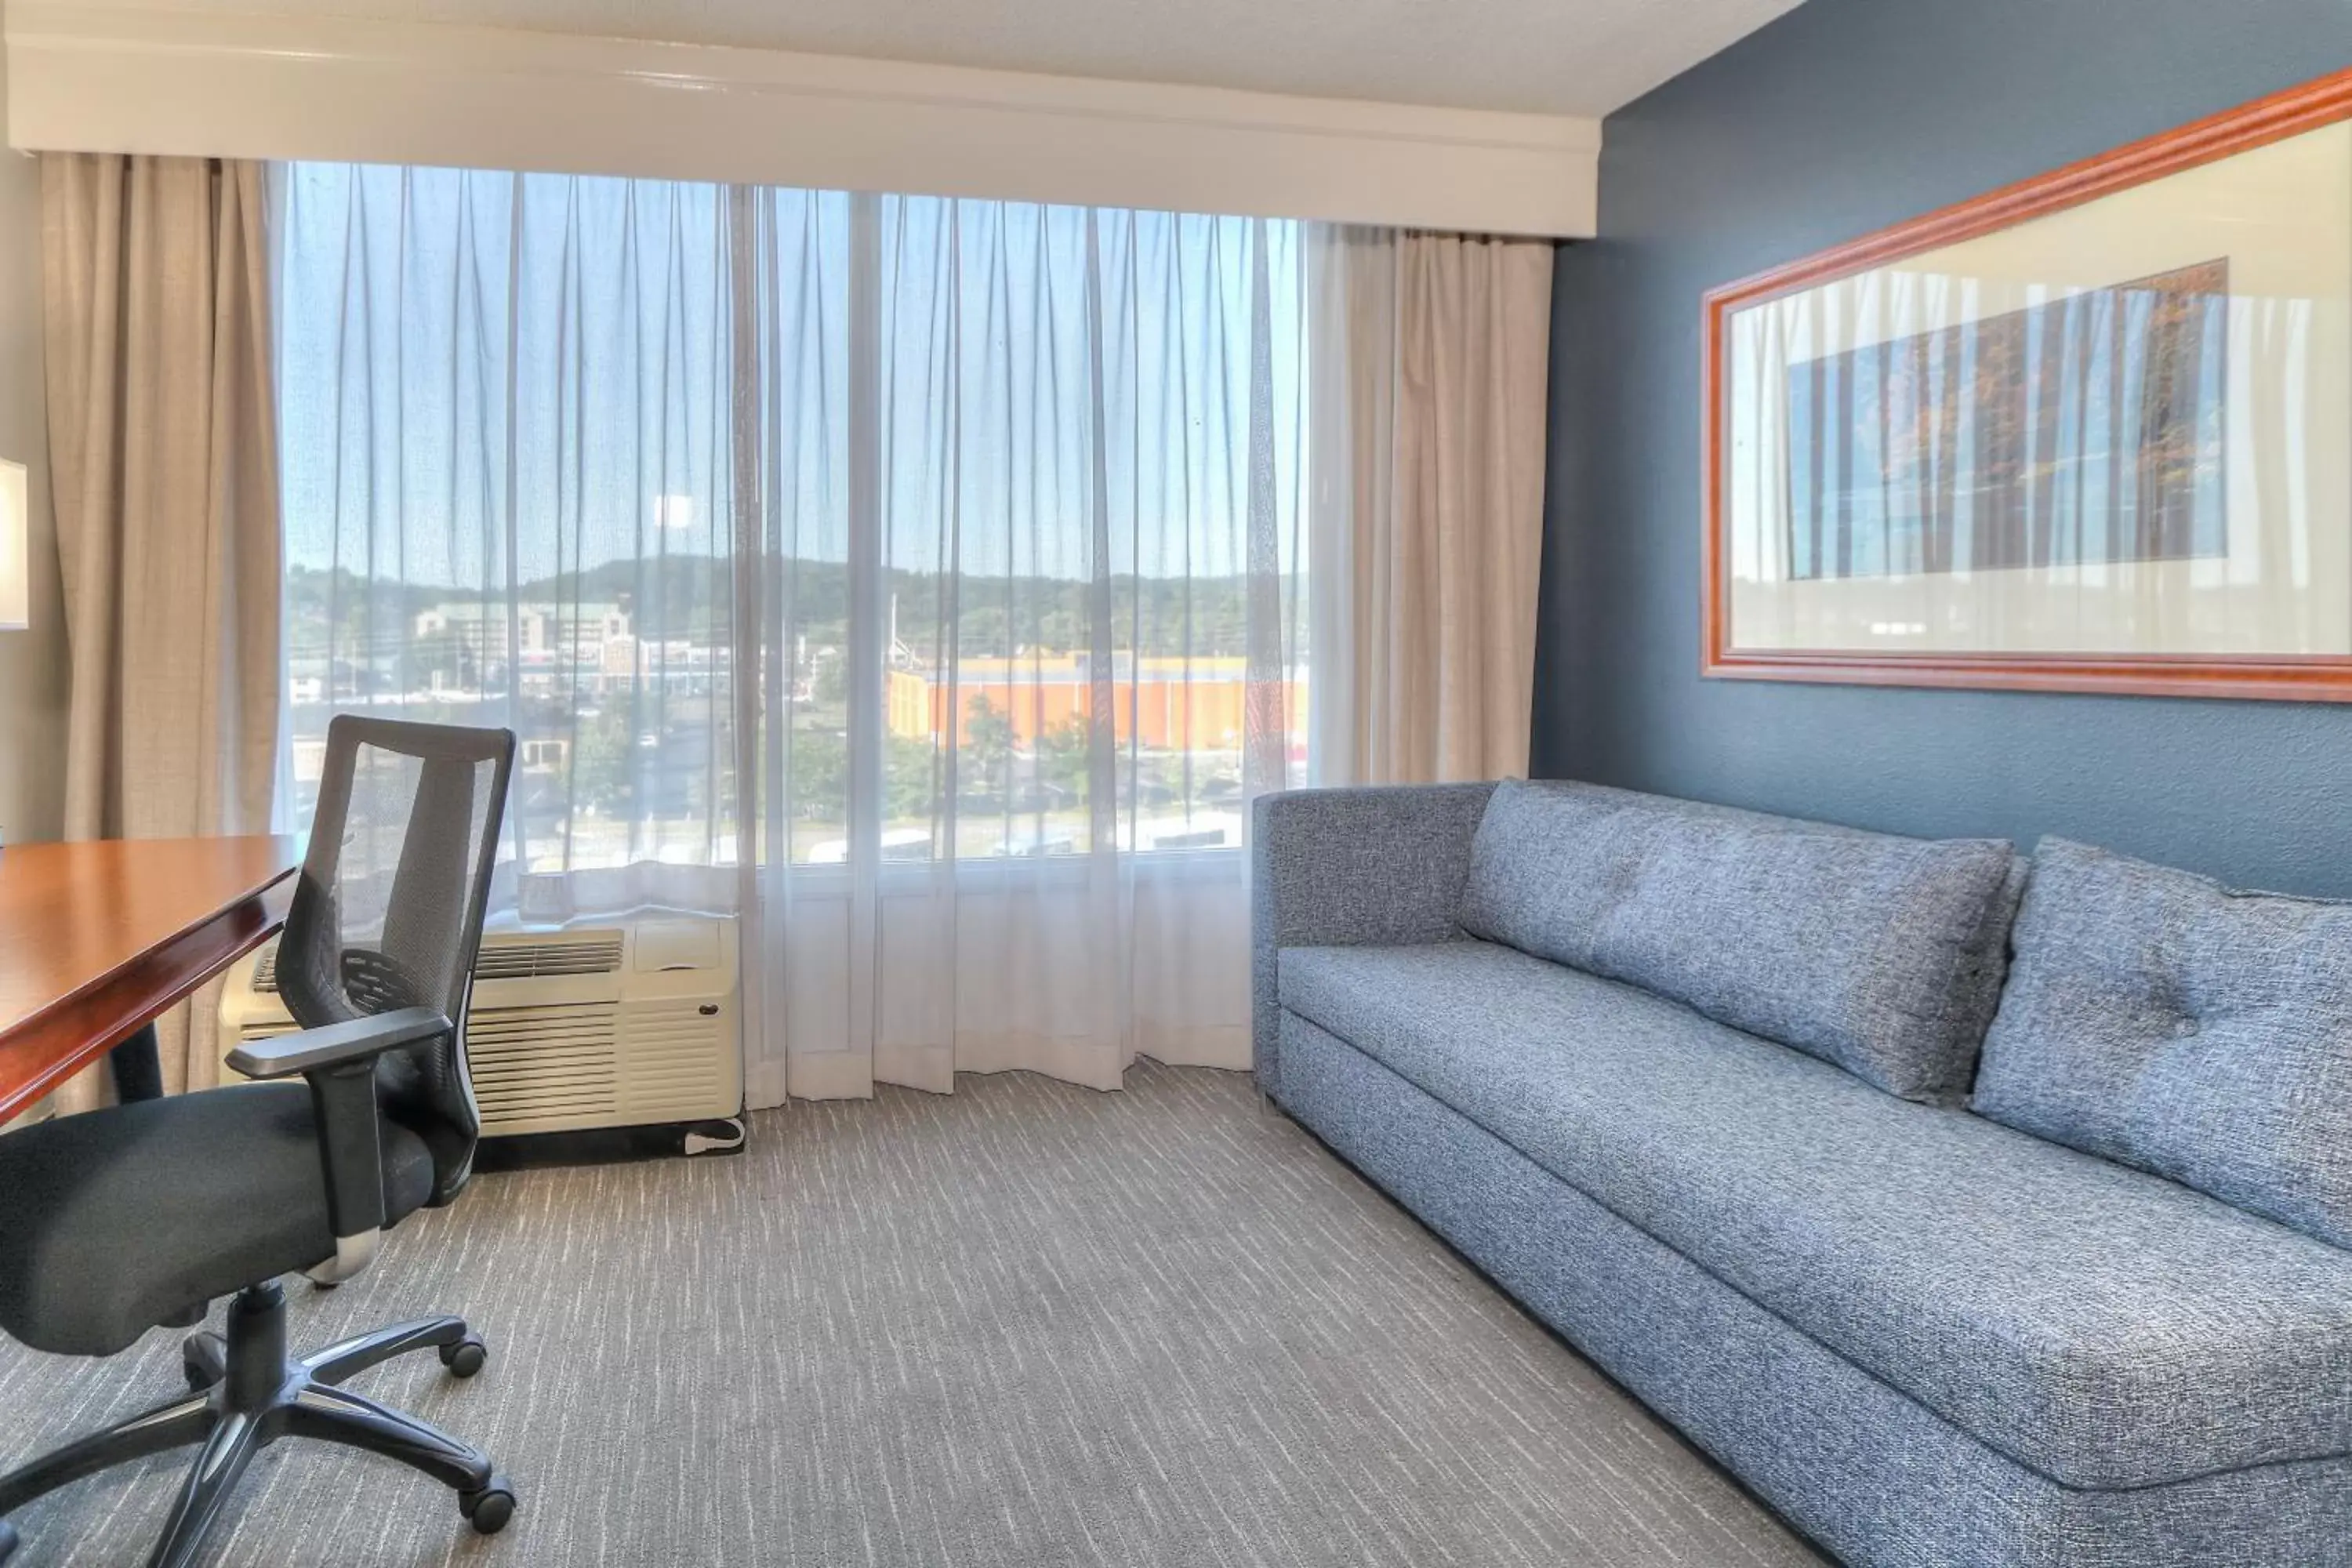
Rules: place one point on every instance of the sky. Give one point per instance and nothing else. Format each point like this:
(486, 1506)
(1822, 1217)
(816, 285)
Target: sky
(485, 378)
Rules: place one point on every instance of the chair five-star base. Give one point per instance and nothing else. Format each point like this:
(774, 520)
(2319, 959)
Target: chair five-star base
(246, 1393)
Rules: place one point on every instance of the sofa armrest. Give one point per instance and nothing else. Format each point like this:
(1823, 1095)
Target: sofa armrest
(1332, 867)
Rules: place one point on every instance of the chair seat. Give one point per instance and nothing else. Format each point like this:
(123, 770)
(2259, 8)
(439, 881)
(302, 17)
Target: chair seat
(2100, 1325)
(114, 1221)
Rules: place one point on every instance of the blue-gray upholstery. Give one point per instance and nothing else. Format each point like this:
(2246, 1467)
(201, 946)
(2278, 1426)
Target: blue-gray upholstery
(1865, 1470)
(1926, 1338)
(1861, 948)
(2162, 1020)
(2102, 1326)
(1333, 866)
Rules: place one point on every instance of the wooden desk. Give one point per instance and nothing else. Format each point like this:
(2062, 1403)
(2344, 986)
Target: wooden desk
(98, 939)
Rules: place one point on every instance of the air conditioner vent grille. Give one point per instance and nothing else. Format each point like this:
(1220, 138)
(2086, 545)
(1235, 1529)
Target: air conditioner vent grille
(675, 1059)
(597, 1025)
(503, 959)
(533, 1062)
(597, 954)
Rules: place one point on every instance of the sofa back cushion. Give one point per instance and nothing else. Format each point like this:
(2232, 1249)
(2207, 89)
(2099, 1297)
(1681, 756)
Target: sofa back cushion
(2162, 1020)
(1879, 953)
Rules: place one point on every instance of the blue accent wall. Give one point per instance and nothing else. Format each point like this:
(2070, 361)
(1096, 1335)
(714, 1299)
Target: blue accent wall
(1839, 118)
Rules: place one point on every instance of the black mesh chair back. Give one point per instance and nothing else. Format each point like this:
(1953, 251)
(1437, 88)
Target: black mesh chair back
(388, 912)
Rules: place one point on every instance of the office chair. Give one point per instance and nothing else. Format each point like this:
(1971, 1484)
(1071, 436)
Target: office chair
(120, 1220)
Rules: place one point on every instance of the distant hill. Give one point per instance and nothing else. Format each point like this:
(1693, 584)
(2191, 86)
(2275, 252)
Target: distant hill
(693, 596)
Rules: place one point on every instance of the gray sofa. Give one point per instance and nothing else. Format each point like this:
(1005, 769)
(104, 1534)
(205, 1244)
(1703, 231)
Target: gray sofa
(1702, 1089)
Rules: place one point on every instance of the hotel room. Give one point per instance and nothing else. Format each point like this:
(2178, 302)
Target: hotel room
(1262, 785)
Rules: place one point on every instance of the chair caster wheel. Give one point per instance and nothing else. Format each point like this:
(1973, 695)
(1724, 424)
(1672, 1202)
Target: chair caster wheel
(203, 1361)
(7, 1539)
(467, 1357)
(489, 1509)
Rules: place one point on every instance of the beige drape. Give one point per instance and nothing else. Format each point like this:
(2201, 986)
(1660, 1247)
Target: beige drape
(163, 463)
(1429, 527)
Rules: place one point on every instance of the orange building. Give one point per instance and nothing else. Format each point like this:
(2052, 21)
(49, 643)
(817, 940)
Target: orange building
(1167, 702)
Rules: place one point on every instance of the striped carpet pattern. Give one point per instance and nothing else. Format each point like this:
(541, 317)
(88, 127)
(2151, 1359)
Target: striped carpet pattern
(1022, 1326)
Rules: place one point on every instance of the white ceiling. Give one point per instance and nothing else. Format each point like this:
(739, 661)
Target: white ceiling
(1557, 56)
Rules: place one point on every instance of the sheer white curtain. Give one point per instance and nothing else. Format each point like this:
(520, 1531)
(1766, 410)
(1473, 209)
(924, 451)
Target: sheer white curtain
(505, 402)
(924, 581)
(1031, 633)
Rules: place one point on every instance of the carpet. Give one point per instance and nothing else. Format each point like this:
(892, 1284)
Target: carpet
(1022, 1326)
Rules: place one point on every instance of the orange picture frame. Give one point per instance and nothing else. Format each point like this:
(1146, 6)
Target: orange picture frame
(2298, 677)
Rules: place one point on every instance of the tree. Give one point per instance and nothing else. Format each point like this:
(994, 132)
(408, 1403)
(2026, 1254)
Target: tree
(1065, 756)
(603, 767)
(818, 763)
(907, 777)
(829, 682)
(987, 743)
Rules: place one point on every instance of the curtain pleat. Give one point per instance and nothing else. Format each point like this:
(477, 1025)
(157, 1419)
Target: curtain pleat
(164, 472)
(1429, 502)
(510, 410)
(1033, 643)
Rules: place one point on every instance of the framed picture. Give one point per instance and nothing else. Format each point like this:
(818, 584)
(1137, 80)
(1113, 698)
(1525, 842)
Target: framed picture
(2091, 432)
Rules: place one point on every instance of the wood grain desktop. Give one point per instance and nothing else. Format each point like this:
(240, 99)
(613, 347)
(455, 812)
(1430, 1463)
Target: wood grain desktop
(96, 938)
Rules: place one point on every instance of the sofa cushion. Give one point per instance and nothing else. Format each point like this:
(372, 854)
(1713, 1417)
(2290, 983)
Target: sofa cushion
(2158, 1018)
(1865, 1471)
(1877, 952)
(2104, 1326)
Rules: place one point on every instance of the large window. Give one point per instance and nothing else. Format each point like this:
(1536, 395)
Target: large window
(869, 530)
(505, 408)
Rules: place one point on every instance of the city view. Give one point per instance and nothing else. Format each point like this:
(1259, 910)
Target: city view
(620, 682)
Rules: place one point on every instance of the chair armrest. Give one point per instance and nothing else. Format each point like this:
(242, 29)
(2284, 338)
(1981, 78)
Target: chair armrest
(1338, 866)
(358, 1039)
(338, 1062)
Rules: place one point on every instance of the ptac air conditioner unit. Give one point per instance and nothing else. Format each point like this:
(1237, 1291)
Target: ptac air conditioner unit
(635, 1024)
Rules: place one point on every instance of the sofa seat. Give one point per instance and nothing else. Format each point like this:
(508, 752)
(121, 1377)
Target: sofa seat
(2103, 1327)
